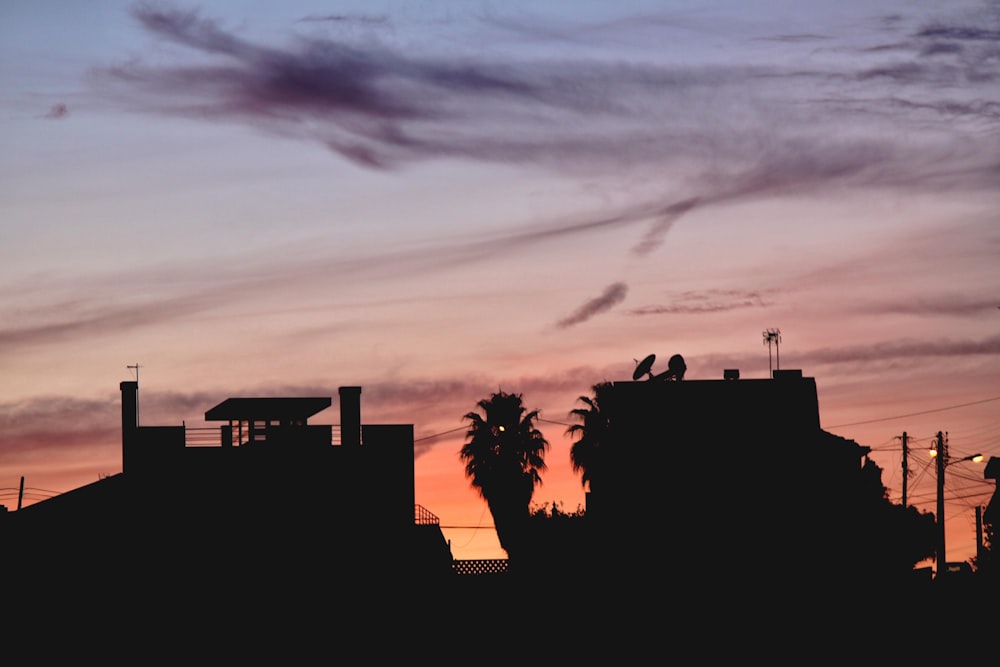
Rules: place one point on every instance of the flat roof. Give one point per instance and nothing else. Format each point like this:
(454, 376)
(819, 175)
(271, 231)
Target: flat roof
(264, 409)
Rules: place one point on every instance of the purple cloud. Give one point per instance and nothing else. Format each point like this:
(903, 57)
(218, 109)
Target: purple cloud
(711, 301)
(40, 428)
(905, 349)
(610, 297)
(383, 109)
(58, 426)
(57, 111)
(956, 305)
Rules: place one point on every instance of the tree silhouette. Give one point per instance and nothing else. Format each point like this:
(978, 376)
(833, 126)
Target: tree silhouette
(988, 560)
(504, 455)
(896, 538)
(856, 531)
(592, 436)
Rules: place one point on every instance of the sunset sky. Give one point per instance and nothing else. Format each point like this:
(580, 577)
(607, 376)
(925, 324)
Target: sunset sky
(437, 200)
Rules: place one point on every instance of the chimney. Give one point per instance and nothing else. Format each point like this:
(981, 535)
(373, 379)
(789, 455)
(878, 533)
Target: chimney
(130, 418)
(130, 406)
(350, 416)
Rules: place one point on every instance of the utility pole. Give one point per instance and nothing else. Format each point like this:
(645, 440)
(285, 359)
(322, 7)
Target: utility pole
(906, 469)
(940, 452)
(941, 461)
(20, 493)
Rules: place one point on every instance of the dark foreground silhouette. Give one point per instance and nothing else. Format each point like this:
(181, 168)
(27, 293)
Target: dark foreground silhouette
(213, 553)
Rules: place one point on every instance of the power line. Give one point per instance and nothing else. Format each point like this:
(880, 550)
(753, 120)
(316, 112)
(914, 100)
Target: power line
(914, 414)
(437, 435)
(870, 421)
(476, 530)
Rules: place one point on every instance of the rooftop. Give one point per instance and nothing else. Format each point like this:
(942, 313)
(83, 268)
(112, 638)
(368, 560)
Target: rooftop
(268, 409)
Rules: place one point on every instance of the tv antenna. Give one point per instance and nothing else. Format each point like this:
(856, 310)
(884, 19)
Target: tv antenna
(772, 336)
(136, 367)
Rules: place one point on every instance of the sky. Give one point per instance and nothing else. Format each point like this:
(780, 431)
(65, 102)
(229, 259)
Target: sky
(439, 200)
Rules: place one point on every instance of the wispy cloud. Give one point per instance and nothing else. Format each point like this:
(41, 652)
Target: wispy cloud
(79, 308)
(962, 33)
(909, 348)
(879, 356)
(710, 301)
(57, 111)
(954, 305)
(46, 426)
(755, 124)
(719, 134)
(609, 298)
(39, 428)
(344, 18)
(58, 323)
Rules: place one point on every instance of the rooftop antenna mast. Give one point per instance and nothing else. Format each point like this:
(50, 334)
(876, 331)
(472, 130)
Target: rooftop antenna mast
(136, 367)
(772, 336)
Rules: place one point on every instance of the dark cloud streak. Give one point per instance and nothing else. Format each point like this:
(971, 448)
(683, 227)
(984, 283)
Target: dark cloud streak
(955, 305)
(904, 349)
(383, 109)
(609, 298)
(344, 18)
(57, 426)
(56, 112)
(735, 133)
(699, 303)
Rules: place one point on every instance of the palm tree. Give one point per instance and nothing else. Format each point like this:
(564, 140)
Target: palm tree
(588, 451)
(504, 456)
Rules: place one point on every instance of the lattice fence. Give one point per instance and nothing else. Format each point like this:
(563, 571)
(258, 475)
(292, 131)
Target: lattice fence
(480, 567)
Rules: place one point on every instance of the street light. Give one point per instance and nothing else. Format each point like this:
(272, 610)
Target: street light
(939, 452)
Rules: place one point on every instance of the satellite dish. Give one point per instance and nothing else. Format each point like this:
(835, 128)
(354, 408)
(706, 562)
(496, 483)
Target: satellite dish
(677, 366)
(645, 367)
(675, 369)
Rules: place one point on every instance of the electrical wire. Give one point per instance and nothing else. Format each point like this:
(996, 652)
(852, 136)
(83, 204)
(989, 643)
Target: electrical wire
(460, 428)
(474, 530)
(438, 435)
(914, 414)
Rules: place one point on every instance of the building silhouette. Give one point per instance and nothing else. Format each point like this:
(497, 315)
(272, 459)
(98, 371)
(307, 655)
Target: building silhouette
(721, 509)
(726, 482)
(274, 502)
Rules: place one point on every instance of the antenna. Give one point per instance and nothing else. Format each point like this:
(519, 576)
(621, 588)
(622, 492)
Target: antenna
(772, 336)
(644, 367)
(136, 367)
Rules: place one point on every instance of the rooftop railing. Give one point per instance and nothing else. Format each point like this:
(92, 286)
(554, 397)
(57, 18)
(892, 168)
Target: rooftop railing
(212, 436)
(424, 517)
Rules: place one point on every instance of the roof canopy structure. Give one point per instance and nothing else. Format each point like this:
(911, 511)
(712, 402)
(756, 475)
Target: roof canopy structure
(268, 409)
